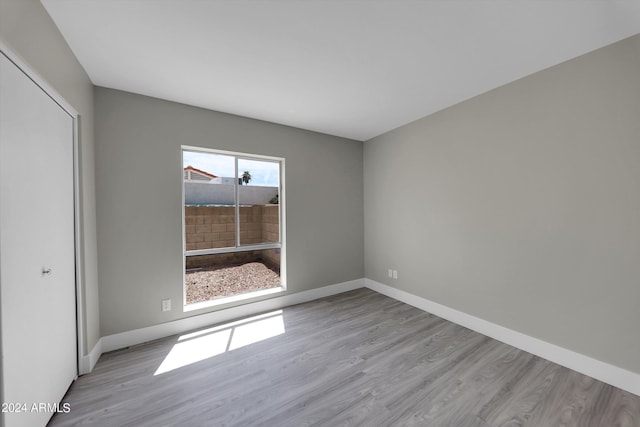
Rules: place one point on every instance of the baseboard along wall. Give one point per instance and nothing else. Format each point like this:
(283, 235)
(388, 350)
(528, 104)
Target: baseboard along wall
(162, 330)
(602, 371)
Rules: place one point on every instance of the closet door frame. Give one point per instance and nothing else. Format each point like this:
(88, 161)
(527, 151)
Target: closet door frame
(79, 259)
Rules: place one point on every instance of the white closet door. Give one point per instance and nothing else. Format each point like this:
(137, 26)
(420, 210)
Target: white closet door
(38, 321)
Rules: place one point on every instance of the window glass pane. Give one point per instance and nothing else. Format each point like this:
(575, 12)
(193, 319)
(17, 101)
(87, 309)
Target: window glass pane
(216, 276)
(209, 200)
(259, 201)
(232, 224)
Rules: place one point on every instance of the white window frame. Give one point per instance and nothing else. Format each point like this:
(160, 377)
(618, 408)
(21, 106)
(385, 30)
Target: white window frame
(238, 246)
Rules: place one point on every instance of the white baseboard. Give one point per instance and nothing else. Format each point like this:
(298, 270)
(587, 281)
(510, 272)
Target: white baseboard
(89, 361)
(605, 372)
(150, 333)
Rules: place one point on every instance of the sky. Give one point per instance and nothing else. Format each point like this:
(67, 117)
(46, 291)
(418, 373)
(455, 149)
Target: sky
(263, 172)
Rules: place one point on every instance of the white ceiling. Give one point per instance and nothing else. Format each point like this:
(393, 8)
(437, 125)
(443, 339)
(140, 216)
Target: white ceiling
(352, 68)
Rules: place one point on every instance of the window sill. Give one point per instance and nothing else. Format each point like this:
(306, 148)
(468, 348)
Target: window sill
(235, 298)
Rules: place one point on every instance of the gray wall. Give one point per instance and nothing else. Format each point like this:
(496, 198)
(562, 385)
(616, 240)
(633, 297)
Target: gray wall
(138, 187)
(522, 205)
(30, 33)
(519, 206)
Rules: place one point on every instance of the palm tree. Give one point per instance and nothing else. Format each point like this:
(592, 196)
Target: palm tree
(246, 177)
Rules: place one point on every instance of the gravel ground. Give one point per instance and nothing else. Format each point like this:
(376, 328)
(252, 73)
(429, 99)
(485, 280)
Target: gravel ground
(222, 281)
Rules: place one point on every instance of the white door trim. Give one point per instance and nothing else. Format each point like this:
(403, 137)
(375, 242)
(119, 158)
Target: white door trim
(55, 95)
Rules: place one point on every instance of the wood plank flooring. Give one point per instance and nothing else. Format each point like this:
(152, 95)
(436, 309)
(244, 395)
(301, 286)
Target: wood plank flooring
(357, 358)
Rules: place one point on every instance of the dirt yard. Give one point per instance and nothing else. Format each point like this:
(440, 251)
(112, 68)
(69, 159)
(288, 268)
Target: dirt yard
(204, 284)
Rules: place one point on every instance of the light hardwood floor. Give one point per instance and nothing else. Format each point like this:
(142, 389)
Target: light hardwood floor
(357, 358)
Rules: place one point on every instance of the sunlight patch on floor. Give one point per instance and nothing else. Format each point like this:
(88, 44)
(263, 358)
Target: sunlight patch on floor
(197, 346)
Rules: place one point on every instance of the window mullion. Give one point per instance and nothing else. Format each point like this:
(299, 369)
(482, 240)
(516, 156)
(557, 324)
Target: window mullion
(237, 204)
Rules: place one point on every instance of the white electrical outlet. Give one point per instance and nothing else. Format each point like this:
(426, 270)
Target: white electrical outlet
(390, 273)
(166, 305)
(395, 274)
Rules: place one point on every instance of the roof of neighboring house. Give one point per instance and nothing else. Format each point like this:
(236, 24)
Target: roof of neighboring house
(200, 171)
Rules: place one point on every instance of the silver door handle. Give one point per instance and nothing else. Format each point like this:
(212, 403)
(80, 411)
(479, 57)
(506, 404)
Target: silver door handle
(46, 271)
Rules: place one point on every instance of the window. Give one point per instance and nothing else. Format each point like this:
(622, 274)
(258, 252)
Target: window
(232, 225)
